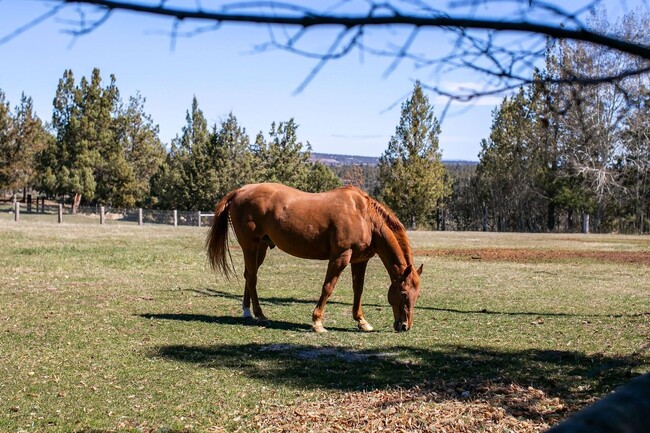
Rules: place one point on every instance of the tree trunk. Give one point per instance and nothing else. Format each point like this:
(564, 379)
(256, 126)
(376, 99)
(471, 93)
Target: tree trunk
(550, 217)
(485, 217)
(75, 202)
(598, 217)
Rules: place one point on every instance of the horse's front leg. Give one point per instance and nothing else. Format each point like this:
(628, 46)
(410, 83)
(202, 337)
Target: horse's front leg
(334, 269)
(358, 278)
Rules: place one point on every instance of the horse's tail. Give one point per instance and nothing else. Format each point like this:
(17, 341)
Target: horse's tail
(217, 240)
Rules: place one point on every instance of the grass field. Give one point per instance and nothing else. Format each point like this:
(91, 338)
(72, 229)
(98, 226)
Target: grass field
(123, 328)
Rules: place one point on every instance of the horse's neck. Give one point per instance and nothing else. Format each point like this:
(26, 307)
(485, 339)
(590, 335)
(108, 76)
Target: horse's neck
(393, 250)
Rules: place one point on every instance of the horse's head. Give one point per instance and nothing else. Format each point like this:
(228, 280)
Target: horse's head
(402, 294)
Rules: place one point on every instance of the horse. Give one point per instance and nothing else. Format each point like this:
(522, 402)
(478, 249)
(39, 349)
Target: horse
(344, 226)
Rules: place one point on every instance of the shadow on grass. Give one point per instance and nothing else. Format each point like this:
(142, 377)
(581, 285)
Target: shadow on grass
(561, 373)
(238, 321)
(286, 301)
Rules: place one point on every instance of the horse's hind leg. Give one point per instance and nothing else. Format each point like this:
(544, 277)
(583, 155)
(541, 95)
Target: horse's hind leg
(253, 259)
(358, 277)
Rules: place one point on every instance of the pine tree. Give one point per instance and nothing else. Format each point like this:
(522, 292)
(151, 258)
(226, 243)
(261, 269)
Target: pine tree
(86, 160)
(506, 160)
(114, 177)
(282, 158)
(68, 164)
(30, 139)
(197, 177)
(185, 180)
(231, 157)
(142, 149)
(411, 174)
(7, 146)
(320, 178)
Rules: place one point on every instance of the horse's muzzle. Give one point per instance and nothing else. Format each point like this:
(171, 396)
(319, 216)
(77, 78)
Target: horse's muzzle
(400, 326)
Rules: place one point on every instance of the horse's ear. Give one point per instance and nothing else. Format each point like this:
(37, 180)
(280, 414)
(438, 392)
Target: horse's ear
(407, 271)
(420, 269)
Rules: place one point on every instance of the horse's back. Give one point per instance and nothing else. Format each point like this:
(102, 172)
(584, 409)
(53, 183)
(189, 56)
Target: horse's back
(309, 225)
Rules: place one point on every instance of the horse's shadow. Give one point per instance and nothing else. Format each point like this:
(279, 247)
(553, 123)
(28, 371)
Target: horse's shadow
(238, 321)
(449, 372)
(286, 301)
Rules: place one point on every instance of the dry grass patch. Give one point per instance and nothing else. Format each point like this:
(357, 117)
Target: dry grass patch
(526, 255)
(442, 407)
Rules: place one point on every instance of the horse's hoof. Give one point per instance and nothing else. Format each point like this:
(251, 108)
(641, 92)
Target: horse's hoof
(318, 328)
(365, 326)
(246, 313)
(262, 321)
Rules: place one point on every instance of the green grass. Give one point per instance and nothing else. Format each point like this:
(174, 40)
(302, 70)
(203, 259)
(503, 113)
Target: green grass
(124, 328)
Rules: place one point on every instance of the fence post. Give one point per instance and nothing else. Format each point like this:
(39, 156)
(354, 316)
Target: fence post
(175, 218)
(60, 219)
(16, 211)
(139, 216)
(585, 222)
(101, 215)
(198, 214)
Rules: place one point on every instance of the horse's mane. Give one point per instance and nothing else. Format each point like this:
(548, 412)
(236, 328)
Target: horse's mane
(380, 213)
(387, 215)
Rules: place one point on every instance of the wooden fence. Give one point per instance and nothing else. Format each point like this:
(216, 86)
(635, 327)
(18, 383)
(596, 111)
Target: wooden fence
(104, 214)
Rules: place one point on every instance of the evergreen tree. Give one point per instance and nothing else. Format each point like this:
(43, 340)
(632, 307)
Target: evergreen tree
(142, 149)
(86, 160)
(507, 166)
(7, 146)
(186, 179)
(30, 139)
(282, 158)
(114, 177)
(411, 174)
(321, 178)
(197, 177)
(231, 157)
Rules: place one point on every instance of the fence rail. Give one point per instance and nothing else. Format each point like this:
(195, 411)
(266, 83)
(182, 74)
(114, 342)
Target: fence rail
(105, 215)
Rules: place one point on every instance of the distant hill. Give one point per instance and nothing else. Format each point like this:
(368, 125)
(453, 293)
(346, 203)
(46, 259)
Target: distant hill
(334, 159)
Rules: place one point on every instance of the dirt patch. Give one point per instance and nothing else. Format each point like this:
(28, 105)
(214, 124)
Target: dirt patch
(525, 255)
(446, 408)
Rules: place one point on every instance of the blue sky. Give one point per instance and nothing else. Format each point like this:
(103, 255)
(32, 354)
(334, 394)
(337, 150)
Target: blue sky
(350, 107)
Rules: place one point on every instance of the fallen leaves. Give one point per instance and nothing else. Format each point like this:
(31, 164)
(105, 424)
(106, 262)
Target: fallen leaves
(487, 407)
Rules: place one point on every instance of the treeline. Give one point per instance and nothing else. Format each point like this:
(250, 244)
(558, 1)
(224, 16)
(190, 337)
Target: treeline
(567, 153)
(101, 150)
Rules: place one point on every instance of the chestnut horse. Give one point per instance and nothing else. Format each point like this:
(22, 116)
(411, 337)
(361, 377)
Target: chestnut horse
(344, 226)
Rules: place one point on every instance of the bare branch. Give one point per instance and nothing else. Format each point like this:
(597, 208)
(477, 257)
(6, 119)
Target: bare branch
(33, 23)
(477, 42)
(310, 19)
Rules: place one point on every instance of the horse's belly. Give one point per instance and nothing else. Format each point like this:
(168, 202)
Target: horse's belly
(304, 248)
